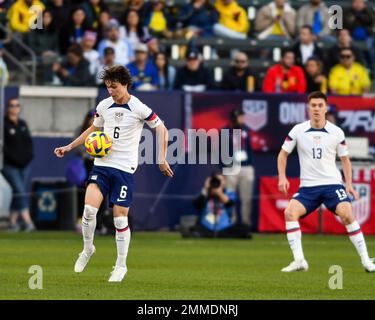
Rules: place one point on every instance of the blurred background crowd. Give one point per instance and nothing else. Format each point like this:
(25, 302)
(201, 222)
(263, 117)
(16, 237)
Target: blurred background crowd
(280, 46)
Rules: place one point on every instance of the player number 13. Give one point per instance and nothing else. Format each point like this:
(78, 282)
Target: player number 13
(317, 153)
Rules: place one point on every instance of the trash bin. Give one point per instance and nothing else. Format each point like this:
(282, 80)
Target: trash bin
(53, 204)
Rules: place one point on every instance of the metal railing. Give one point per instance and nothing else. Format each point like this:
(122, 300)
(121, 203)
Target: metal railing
(28, 67)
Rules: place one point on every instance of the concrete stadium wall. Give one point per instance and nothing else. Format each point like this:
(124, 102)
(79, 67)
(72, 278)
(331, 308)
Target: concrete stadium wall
(55, 111)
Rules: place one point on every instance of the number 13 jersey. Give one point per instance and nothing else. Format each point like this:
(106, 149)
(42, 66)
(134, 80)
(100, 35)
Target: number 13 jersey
(124, 124)
(317, 150)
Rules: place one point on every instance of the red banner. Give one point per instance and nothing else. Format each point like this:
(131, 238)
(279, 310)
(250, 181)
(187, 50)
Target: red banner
(273, 204)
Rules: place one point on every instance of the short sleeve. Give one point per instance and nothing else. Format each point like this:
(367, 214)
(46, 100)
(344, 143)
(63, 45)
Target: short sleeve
(147, 115)
(98, 117)
(290, 140)
(342, 148)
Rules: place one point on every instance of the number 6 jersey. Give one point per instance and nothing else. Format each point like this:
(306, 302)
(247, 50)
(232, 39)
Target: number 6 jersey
(317, 150)
(124, 124)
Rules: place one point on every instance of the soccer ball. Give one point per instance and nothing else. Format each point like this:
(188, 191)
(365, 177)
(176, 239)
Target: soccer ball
(98, 144)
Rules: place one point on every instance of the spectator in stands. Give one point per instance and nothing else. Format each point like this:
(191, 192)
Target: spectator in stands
(233, 22)
(359, 20)
(239, 77)
(166, 72)
(21, 17)
(74, 71)
(4, 74)
(285, 77)
(90, 54)
(349, 77)
(315, 79)
(124, 52)
(157, 20)
(133, 30)
(74, 29)
(306, 48)
(139, 5)
(60, 12)
(104, 18)
(18, 153)
(92, 9)
(143, 71)
(153, 46)
(344, 40)
(198, 18)
(315, 14)
(44, 42)
(193, 76)
(241, 178)
(276, 20)
(108, 61)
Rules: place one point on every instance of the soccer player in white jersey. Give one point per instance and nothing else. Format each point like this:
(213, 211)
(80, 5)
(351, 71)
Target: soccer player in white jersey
(318, 142)
(122, 117)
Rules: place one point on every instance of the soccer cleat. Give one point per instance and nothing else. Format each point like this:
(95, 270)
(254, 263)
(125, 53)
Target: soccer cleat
(117, 274)
(296, 266)
(83, 260)
(370, 267)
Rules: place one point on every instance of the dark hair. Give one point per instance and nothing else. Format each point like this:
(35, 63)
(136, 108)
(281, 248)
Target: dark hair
(76, 49)
(285, 51)
(140, 31)
(117, 73)
(317, 95)
(306, 26)
(165, 69)
(86, 121)
(108, 50)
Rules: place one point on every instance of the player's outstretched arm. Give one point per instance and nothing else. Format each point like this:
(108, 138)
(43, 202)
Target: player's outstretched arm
(162, 140)
(60, 151)
(281, 169)
(347, 169)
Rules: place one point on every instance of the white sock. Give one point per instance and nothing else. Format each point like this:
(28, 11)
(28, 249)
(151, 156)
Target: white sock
(356, 237)
(294, 235)
(122, 239)
(88, 227)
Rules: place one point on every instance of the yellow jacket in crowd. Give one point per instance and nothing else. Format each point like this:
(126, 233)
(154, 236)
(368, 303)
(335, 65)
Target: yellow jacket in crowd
(21, 17)
(353, 81)
(233, 16)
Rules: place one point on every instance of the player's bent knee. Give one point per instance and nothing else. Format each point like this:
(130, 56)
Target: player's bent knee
(119, 211)
(89, 213)
(344, 211)
(290, 215)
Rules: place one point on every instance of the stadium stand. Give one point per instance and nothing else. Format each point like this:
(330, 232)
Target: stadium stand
(216, 52)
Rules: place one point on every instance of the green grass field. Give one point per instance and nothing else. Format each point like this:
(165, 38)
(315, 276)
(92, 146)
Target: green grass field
(165, 266)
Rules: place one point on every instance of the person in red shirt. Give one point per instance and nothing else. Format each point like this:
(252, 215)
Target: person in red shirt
(285, 77)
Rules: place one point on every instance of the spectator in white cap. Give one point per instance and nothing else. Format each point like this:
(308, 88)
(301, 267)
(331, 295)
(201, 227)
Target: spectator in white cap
(91, 55)
(123, 49)
(143, 70)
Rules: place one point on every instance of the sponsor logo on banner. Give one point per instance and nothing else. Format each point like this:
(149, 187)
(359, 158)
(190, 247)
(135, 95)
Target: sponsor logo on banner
(255, 113)
(358, 120)
(362, 206)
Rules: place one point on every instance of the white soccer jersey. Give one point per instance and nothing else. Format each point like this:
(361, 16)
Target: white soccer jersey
(124, 124)
(317, 150)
